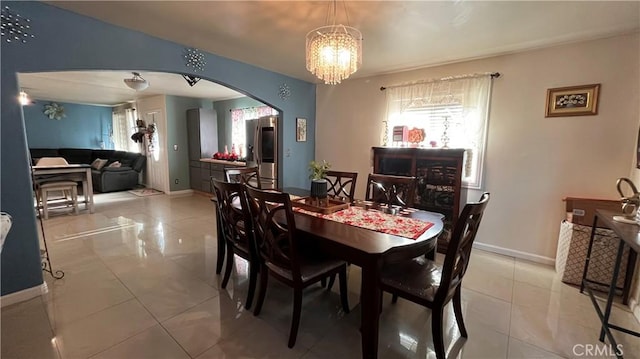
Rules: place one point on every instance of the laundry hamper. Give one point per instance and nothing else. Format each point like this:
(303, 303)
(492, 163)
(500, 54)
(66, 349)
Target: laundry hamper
(573, 244)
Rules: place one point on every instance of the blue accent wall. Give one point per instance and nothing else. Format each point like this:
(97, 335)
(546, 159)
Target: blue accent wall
(84, 126)
(66, 41)
(177, 135)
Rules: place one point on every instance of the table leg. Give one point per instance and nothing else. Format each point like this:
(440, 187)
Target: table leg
(221, 244)
(612, 290)
(370, 307)
(89, 190)
(631, 265)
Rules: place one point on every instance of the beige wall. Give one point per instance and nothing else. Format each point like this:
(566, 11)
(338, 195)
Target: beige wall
(532, 162)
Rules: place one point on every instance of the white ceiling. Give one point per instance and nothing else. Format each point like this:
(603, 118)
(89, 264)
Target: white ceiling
(397, 35)
(108, 88)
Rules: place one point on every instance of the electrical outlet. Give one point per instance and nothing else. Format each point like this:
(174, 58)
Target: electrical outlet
(175, 147)
(177, 181)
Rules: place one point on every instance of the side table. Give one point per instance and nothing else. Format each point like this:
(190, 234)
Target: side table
(629, 235)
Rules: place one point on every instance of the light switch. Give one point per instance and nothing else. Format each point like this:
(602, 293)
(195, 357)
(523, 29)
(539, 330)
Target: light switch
(175, 147)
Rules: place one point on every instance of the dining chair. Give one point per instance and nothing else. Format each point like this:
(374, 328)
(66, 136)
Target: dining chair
(284, 254)
(341, 185)
(388, 189)
(249, 176)
(43, 185)
(429, 284)
(237, 230)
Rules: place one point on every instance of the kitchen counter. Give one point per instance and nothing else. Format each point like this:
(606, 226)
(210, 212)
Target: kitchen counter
(224, 162)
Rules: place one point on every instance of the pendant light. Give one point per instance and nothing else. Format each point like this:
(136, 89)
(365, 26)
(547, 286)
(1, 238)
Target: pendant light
(137, 82)
(334, 52)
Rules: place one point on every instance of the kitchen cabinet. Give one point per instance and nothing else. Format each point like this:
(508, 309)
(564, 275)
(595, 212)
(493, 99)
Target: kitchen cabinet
(202, 131)
(438, 175)
(201, 172)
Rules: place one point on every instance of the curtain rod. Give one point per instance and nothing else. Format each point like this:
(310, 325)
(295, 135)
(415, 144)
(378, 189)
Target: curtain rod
(492, 74)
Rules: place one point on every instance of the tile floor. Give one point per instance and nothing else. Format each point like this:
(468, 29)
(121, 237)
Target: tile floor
(140, 282)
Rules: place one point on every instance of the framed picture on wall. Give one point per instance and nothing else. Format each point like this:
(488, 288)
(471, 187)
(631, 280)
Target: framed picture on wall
(572, 101)
(301, 129)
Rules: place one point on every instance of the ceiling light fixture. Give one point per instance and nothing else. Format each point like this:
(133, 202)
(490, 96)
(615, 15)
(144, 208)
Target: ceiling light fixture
(137, 82)
(334, 52)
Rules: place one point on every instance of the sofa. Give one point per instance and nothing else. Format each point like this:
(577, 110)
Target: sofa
(105, 179)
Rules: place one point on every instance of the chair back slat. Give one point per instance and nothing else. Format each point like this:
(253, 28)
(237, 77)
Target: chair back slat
(400, 190)
(459, 248)
(275, 229)
(233, 214)
(341, 185)
(249, 176)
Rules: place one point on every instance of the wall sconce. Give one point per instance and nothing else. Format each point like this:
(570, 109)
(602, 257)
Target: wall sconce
(24, 99)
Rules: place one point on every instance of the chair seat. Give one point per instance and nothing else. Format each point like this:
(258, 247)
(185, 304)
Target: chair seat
(310, 268)
(418, 277)
(57, 184)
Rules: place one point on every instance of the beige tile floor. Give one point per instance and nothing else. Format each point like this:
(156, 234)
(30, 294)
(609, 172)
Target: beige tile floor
(140, 282)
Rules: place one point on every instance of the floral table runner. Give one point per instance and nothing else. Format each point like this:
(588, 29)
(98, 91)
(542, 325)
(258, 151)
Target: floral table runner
(376, 221)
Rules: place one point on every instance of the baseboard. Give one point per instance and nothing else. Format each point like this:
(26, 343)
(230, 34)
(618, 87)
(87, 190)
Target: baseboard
(176, 193)
(26, 294)
(514, 253)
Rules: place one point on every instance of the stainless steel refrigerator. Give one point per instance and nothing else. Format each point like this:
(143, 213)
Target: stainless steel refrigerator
(262, 149)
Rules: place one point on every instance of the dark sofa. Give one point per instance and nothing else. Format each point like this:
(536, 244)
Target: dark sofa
(107, 179)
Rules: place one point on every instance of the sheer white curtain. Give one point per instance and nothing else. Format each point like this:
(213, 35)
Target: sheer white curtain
(454, 110)
(123, 127)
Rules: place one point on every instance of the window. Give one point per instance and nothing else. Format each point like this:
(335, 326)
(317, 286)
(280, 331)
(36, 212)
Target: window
(453, 114)
(238, 118)
(124, 125)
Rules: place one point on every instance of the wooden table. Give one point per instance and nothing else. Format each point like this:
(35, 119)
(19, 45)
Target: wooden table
(368, 250)
(629, 234)
(87, 184)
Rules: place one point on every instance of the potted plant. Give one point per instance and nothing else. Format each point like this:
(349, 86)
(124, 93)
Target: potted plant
(317, 174)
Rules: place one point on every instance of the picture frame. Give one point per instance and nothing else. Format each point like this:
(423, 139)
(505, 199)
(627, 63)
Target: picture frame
(572, 101)
(301, 129)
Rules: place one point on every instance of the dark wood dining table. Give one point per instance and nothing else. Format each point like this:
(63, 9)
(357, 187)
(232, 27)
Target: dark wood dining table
(368, 249)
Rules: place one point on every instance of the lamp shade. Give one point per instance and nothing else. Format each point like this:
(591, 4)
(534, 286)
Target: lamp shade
(137, 82)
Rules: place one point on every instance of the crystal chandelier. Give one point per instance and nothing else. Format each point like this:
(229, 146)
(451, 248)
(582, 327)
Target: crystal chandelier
(333, 51)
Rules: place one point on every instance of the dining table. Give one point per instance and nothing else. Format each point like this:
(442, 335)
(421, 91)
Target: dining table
(83, 171)
(369, 249)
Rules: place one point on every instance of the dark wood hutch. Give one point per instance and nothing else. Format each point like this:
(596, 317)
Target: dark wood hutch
(438, 175)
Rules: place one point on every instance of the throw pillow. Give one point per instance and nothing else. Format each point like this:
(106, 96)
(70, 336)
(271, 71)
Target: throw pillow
(115, 164)
(98, 163)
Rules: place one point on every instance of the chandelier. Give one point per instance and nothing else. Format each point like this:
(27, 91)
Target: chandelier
(334, 52)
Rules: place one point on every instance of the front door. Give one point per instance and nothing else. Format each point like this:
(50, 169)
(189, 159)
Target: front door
(156, 149)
